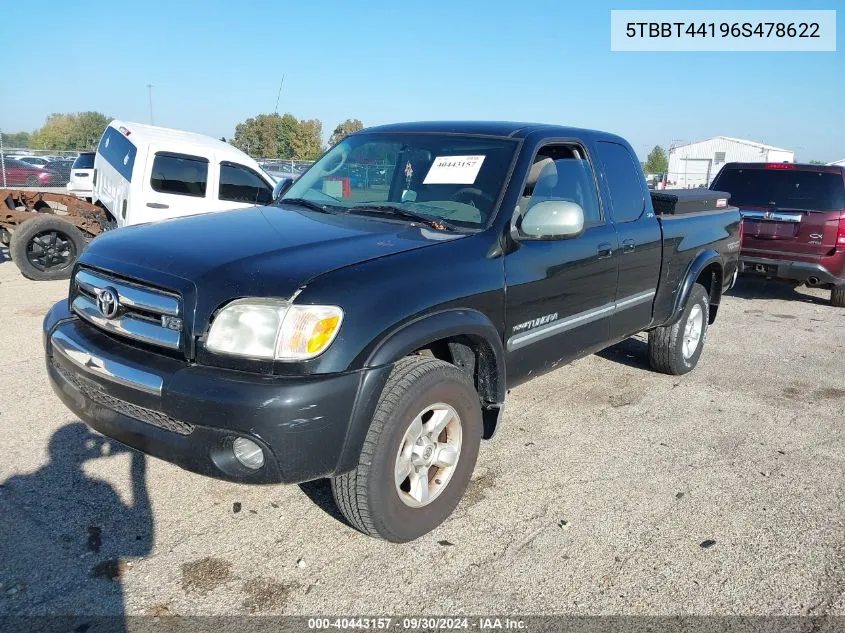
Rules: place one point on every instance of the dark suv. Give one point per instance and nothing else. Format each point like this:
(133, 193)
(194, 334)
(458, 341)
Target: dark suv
(793, 221)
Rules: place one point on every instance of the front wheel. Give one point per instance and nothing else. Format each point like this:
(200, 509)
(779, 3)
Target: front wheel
(675, 349)
(837, 297)
(46, 247)
(418, 455)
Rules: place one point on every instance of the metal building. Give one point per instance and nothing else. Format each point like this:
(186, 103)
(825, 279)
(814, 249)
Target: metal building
(696, 164)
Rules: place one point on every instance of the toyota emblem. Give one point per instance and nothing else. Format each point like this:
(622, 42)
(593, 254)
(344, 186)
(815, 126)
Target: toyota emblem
(108, 302)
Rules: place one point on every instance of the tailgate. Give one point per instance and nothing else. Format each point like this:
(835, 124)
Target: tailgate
(798, 232)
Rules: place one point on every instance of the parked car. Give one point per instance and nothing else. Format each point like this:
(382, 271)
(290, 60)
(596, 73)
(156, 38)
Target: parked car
(82, 176)
(793, 221)
(144, 173)
(22, 174)
(374, 342)
(35, 161)
(61, 169)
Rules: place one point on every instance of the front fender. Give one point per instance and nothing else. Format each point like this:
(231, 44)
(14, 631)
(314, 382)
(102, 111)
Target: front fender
(471, 325)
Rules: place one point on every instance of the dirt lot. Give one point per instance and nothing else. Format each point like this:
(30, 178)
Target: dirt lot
(610, 489)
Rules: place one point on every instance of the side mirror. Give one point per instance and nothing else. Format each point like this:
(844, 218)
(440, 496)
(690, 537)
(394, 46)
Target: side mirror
(280, 187)
(552, 220)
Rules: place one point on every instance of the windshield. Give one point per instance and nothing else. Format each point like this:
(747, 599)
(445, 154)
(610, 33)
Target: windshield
(442, 176)
(783, 188)
(84, 161)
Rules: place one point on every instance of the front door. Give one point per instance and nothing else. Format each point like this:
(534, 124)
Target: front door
(560, 293)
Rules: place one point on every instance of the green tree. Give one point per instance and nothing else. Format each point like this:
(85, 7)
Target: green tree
(266, 135)
(656, 162)
(345, 129)
(17, 139)
(307, 142)
(81, 130)
(817, 162)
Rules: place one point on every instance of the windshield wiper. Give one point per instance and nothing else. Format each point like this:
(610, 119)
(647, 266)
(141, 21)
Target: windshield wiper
(399, 212)
(308, 204)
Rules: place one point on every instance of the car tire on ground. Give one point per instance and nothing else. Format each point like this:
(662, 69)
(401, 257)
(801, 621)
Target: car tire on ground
(837, 297)
(418, 455)
(675, 349)
(46, 247)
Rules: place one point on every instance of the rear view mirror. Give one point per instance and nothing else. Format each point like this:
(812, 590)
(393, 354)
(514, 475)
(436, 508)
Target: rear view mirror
(280, 187)
(552, 220)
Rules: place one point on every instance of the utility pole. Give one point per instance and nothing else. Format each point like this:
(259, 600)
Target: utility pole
(2, 159)
(279, 96)
(150, 92)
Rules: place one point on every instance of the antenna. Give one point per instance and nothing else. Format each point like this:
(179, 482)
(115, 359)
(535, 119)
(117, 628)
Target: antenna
(279, 96)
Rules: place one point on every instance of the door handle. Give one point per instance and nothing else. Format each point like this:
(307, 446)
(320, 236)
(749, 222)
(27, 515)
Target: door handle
(157, 205)
(605, 250)
(628, 246)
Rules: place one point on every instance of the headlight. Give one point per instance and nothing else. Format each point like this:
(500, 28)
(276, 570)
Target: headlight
(273, 328)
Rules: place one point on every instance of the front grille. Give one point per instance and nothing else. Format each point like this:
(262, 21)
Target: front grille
(141, 313)
(156, 418)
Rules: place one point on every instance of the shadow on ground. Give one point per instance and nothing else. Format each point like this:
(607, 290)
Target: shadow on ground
(748, 287)
(64, 537)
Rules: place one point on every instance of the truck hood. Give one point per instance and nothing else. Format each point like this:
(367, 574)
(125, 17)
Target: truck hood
(260, 251)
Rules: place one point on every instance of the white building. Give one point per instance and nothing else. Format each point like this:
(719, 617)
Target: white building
(696, 164)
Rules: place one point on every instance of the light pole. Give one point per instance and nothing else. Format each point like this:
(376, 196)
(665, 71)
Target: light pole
(150, 93)
(2, 159)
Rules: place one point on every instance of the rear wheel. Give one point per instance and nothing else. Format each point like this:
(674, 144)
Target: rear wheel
(46, 247)
(675, 349)
(418, 455)
(837, 297)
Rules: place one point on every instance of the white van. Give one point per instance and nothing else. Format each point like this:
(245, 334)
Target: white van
(144, 173)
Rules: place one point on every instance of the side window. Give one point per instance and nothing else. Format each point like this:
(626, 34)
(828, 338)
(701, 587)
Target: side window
(180, 175)
(241, 184)
(624, 180)
(562, 173)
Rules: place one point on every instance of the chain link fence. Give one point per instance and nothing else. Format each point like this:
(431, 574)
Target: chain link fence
(25, 167)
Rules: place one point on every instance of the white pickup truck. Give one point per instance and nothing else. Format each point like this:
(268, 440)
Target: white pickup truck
(142, 173)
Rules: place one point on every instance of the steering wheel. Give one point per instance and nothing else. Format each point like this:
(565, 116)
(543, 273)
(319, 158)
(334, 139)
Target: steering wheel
(471, 193)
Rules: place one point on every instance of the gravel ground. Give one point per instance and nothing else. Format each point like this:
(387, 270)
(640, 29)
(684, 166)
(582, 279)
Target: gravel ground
(609, 490)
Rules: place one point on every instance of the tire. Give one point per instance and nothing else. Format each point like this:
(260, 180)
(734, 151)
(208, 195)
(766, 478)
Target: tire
(666, 345)
(369, 496)
(837, 297)
(33, 181)
(5, 236)
(46, 247)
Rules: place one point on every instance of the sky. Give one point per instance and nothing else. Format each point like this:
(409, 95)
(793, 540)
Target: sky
(214, 64)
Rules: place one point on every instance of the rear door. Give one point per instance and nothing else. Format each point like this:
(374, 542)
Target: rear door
(787, 209)
(175, 185)
(640, 239)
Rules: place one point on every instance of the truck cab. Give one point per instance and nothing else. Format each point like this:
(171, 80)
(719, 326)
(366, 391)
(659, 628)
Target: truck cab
(144, 173)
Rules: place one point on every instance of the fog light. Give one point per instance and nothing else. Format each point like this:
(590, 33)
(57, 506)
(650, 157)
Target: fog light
(248, 453)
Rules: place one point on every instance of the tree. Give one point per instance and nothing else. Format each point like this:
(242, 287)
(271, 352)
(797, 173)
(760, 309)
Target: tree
(656, 162)
(16, 139)
(81, 130)
(817, 162)
(345, 129)
(279, 136)
(307, 142)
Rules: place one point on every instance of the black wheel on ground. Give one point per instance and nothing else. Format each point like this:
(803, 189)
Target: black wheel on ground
(418, 455)
(32, 181)
(5, 236)
(675, 349)
(837, 297)
(46, 247)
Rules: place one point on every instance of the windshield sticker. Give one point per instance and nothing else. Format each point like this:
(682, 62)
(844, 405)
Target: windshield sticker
(454, 170)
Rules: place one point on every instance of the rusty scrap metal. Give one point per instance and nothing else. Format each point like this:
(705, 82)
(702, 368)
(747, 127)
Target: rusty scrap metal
(85, 216)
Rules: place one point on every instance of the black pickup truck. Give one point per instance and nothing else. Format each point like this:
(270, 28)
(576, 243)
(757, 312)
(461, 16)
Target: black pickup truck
(368, 325)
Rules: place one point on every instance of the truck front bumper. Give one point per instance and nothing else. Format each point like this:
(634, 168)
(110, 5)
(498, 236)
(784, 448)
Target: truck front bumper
(307, 427)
